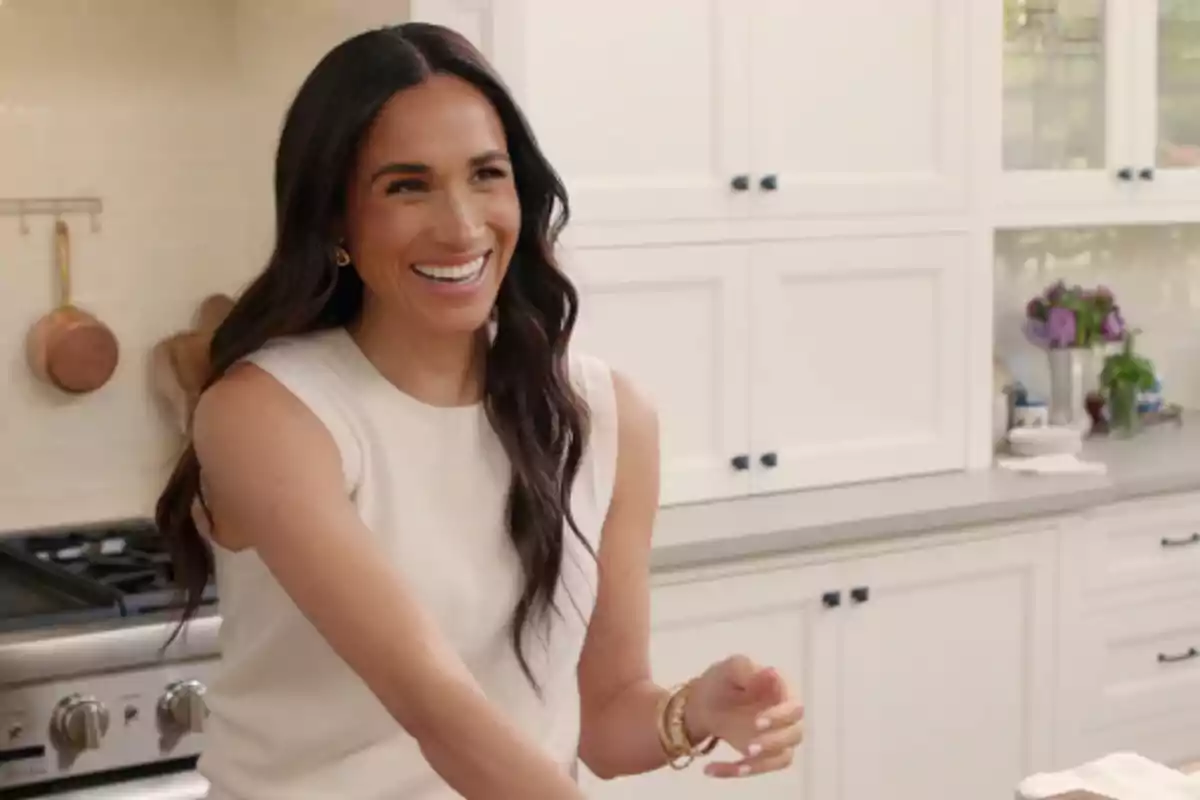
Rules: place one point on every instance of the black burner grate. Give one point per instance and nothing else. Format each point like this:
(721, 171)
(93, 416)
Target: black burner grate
(116, 571)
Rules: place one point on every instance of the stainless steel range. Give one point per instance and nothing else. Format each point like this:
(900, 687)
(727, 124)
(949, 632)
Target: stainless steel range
(91, 704)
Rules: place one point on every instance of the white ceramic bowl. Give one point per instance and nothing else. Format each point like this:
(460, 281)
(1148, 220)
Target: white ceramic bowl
(1051, 440)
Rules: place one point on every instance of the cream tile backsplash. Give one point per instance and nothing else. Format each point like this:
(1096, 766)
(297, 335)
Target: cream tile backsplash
(1153, 269)
(167, 110)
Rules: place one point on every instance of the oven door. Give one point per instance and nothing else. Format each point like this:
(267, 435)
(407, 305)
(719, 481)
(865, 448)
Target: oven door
(176, 786)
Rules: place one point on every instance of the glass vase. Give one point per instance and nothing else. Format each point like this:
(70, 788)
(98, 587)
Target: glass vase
(1123, 414)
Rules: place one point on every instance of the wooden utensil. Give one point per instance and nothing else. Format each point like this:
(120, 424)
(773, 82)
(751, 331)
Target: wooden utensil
(179, 367)
(211, 313)
(180, 363)
(68, 347)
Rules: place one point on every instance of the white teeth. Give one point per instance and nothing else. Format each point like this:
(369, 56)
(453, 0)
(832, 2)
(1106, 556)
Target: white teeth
(462, 273)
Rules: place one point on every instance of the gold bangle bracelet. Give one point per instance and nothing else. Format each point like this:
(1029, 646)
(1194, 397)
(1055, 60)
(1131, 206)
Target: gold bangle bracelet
(672, 730)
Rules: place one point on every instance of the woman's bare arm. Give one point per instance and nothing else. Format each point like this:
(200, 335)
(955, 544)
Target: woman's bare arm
(273, 477)
(620, 728)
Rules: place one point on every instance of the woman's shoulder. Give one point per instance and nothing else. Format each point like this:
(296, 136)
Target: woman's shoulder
(314, 346)
(314, 368)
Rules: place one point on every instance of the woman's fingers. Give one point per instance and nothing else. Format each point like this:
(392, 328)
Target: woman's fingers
(769, 752)
(776, 740)
(768, 762)
(786, 713)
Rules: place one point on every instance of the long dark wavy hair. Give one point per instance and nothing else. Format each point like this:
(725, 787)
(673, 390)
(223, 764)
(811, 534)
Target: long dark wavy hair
(540, 419)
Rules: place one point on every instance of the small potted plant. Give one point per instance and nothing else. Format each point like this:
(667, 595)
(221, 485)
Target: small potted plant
(1126, 375)
(1071, 324)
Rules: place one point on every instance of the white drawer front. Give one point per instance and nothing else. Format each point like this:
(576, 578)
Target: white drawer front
(1138, 678)
(1148, 545)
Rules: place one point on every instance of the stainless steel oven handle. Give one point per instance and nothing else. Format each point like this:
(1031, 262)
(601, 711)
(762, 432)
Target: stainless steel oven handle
(179, 786)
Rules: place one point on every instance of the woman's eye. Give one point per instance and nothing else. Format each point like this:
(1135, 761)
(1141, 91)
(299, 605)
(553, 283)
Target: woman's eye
(405, 186)
(491, 174)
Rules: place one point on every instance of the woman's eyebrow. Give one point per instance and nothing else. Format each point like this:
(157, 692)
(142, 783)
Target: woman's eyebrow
(415, 168)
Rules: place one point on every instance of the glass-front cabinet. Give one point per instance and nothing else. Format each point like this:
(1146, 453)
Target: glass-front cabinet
(1101, 106)
(1066, 103)
(1168, 96)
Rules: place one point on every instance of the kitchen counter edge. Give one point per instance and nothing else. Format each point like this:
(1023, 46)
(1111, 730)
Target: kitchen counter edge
(1161, 461)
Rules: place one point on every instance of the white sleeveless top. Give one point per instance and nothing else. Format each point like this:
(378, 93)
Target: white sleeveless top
(289, 720)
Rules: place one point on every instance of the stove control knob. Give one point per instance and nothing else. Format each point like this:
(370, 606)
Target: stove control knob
(182, 706)
(80, 722)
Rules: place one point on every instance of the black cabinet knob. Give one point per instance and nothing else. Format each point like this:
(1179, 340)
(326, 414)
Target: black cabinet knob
(769, 183)
(768, 460)
(740, 462)
(831, 599)
(860, 594)
(1125, 174)
(740, 183)
(1146, 174)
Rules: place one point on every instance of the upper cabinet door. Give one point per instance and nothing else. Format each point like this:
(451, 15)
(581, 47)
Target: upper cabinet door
(858, 359)
(675, 319)
(1167, 110)
(640, 106)
(858, 107)
(1068, 102)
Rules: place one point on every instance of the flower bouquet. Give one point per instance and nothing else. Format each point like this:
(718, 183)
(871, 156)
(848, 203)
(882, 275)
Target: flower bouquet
(1070, 316)
(1072, 325)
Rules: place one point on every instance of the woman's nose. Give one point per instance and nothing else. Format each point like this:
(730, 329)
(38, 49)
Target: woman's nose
(459, 222)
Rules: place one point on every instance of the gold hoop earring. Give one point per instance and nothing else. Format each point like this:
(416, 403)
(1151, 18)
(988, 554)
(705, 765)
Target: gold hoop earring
(340, 256)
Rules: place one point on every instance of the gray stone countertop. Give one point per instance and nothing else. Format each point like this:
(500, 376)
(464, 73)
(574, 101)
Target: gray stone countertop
(1162, 459)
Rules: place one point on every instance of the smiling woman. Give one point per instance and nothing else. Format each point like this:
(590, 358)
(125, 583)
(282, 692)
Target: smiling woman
(428, 516)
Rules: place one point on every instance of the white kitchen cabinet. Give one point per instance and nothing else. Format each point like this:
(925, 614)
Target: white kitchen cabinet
(858, 107)
(676, 320)
(791, 364)
(1098, 108)
(944, 670)
(858, 364)
(676, 110)
(1129, 638)
(924, 673)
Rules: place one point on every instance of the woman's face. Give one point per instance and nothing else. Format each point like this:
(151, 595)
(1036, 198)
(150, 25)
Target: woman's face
(432, 213)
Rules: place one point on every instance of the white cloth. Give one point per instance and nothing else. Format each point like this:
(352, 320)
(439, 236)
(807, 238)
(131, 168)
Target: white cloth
(1119, 776)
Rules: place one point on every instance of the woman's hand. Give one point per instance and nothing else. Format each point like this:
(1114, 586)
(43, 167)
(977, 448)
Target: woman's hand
(752, 709)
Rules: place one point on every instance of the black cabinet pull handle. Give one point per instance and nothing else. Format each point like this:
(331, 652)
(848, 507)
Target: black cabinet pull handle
(769, 460)
(1146, 174)
(860, 594)
(1184, 541)
(1125, 174)
(740, 183)
(740, 462)
(1169, 658)
(769, 183)
(831, 599)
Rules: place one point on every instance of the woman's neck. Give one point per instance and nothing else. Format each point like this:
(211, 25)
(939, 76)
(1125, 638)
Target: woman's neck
(435, 368)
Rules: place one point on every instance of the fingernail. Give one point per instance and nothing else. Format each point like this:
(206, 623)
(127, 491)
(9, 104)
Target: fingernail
(754, 749)
(743, 770)
(762, 723)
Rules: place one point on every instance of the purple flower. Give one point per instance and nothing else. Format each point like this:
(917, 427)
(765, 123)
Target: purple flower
(1036, 309)
(1056, 292)
(1060, 327)
(1113, 327)
(1035, 333)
